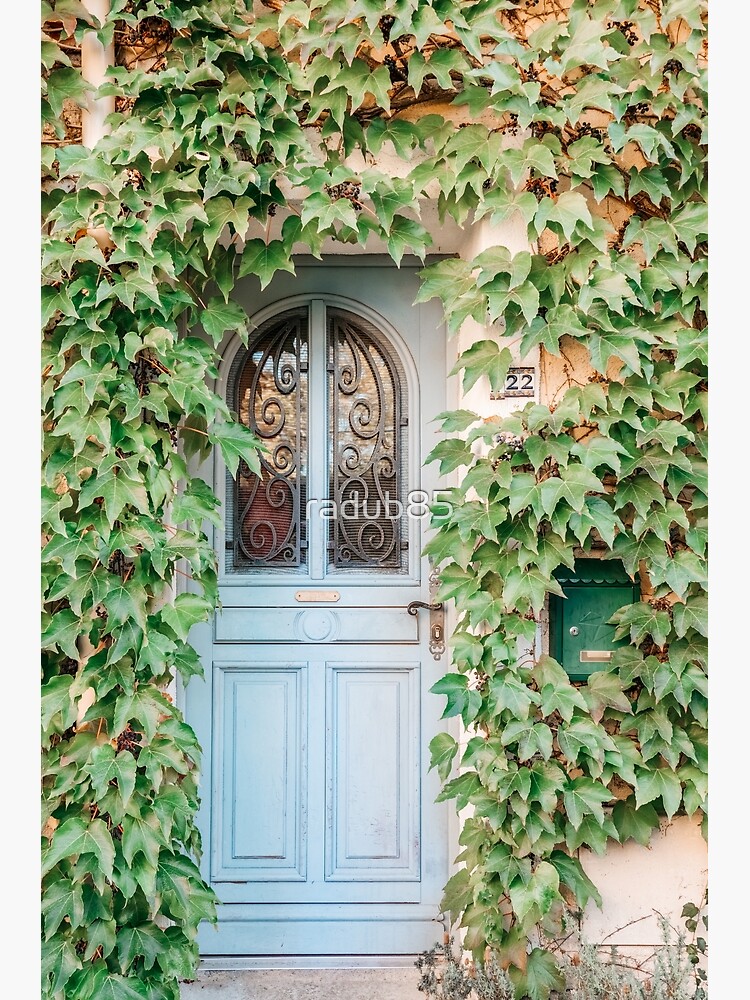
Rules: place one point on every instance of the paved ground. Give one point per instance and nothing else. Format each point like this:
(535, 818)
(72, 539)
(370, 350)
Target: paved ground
(305, 984)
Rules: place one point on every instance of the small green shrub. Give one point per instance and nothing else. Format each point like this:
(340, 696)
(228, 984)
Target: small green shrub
(590, 974)
(445, 976)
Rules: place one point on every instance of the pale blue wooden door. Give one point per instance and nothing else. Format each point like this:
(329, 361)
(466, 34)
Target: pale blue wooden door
(321, 833)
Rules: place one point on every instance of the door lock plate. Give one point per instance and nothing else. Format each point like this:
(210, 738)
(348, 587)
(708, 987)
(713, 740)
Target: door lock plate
(437, 617)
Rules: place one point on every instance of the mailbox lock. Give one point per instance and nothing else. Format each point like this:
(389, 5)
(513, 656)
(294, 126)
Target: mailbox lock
(574, 630)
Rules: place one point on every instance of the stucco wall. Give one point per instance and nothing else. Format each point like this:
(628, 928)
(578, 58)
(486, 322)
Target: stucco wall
(640, 883)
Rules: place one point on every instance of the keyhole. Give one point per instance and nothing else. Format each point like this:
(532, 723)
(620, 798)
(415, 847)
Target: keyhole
(574, 630)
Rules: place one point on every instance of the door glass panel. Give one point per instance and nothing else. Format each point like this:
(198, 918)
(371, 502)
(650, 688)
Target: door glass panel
(367, 447)
(270, 385)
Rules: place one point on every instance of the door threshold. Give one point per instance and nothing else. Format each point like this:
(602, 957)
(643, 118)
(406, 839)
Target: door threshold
(238, 963)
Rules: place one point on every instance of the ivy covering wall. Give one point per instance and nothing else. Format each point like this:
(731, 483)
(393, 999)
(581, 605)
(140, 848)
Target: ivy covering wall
(240, 134)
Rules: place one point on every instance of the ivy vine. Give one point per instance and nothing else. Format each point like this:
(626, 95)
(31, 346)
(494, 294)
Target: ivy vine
(240, 135)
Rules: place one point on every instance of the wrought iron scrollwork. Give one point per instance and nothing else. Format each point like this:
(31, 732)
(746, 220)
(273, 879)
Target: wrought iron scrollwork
(367, 420)
(272, 401)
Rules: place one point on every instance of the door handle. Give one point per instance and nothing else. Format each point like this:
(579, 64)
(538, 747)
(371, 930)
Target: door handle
(437, 624)
(411, 609)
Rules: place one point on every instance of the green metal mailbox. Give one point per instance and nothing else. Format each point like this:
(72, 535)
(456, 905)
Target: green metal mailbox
(580, 638)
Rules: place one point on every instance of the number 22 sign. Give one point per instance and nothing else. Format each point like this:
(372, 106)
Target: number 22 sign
(518, 382)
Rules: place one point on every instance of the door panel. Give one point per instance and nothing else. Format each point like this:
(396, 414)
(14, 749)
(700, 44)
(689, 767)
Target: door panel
(373, 772)
(261, 821)
(320, 828)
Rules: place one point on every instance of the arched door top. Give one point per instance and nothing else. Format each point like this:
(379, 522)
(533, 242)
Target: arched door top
(327, 392)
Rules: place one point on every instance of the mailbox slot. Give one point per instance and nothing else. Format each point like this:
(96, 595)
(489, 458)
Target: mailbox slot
(580, 638)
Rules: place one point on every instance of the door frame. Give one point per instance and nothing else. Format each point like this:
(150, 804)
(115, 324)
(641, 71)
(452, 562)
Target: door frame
(202, 636)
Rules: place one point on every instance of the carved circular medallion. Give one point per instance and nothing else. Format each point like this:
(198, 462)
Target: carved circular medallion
(316, 625)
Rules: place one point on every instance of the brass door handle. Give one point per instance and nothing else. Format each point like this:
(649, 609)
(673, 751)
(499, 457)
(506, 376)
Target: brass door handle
(414, 607)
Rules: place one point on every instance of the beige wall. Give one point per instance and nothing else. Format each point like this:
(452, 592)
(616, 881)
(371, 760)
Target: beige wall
(639, 883)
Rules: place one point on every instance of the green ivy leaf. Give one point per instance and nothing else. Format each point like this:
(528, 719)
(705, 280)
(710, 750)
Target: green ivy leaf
(443, 749)
(59, 962)
(161, 754)
(583, 737)
(94, 425)
(591, 833)
(575, 878)
(684, 569)
(75, 837)
(457, 894)
(571, 486)
(691, 615)
(451, 454)
(502, 862)
(218, 317)
(659, 783)
(57, 698)
(582, 797)
(67, 84)
(639, 621)
(185, 611)
(507, 693)
(142, 834)
(484, 357)
(598, 451)
(222, 212)
(562, 698)
(532, 899)
(118, 491)
(566, 213)
(62, 900)
(112, 986)
(186, 896)
(197, 503)
(127, 601)
(454, 687)
(145, 706)
(596, 514)
(541, 976)
(604, 689)
(61, 631)
(456, 420)
(106, 765)
(407, 235)
(145, 941)
(531, 740)
(635, 824)
(264, 260)
(237, 443)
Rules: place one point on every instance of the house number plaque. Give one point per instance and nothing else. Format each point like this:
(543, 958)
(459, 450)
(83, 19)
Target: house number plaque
(518, 382)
